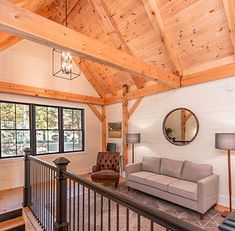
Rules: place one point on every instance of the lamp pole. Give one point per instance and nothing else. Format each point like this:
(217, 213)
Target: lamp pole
(229, 181)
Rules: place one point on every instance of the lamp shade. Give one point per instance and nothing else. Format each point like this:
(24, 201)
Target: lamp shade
(225, 141)
(132, 138)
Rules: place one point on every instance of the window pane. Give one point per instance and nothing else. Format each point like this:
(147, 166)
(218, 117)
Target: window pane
(7, 116)
(52, 118)
(78, 140)
(68, 141)
(41, 117)
(41, 142)
(53, 141)
(22, 116)
(67, 118)
(8, 143)
(23, 141)
(77, 119)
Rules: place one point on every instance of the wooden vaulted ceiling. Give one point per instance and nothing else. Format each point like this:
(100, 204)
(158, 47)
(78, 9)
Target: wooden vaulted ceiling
(193, 39)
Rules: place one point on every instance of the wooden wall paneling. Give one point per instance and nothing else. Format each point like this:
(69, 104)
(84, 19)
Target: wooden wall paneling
(48, 93)
(111, 28)
(229, 7)
(158, 25)
(134, 106)
(104, 129)
(125, 125)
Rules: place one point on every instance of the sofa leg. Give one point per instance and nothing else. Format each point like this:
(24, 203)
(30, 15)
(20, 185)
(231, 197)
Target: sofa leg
(201, 216)
(116, 185)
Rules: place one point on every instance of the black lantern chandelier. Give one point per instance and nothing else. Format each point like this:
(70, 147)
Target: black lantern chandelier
(64, 59)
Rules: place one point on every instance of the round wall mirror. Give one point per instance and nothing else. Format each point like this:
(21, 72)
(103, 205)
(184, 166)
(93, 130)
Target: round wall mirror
(180, 126)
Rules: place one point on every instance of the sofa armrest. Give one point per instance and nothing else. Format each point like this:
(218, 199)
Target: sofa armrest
(95, 168)
(207, 192)
(136, 167)
(117, 169)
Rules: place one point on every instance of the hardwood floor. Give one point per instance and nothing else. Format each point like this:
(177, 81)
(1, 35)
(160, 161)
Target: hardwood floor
(11, 199)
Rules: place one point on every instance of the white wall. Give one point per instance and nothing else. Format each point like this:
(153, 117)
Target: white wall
(214, 105)
(29, 63)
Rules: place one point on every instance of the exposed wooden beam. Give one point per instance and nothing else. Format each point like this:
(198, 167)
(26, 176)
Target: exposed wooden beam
(12, 40)
(229, 7)
(48, 93)
(81, 63)
(16, 20)
(111, 28)
(96, 112)
(158, 25)
(221, 72)
(125, 126)
(133, 108)
(104, 128)
(146, 91)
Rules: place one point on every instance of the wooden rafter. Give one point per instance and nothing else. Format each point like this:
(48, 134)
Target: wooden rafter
(22, 22)
(146, 91)
(110, 27)
(229, 7)
(216, 73)
(83, 66)
(158, 25)
(133, 108)
(48, 93)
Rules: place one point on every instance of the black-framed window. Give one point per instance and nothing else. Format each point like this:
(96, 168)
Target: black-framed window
(15, 129)
(46, 129)
(73, 133)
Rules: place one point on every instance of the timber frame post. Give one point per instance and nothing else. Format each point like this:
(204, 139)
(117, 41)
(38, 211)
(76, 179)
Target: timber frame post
(125, 116)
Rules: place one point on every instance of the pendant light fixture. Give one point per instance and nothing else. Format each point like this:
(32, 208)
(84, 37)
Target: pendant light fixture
(64, 59)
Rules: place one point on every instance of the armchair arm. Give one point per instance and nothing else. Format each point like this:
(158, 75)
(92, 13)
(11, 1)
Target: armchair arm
(95, 168)
(136, 167)
(207, 192)
(117, 169)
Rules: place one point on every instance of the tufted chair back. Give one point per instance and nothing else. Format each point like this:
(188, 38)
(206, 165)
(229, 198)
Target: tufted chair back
(108, 160)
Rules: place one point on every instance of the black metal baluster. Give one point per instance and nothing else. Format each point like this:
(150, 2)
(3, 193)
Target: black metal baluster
(117, 217)
(151, 225)
(83, 208)
(78, 208)
(40, 190)
(94, 211)
(48, 197)
(74, 206)
(127, 219)
(109, 215)
(138, 222)
(101, 212)
(89, 214)
(70, 202)
(43, 197)
(54, 197)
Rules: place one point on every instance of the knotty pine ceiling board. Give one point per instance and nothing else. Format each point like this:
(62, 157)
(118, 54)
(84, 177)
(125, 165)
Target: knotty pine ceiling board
(200, 32)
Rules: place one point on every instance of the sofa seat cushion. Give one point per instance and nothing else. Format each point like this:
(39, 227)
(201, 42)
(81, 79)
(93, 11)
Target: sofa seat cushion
(160, 181)
(140, 176)
(184, 189)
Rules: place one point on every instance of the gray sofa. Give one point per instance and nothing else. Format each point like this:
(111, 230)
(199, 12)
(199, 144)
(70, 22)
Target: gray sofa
(188, 184)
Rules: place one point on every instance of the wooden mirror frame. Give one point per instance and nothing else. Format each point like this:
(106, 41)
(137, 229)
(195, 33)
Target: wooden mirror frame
(164, 121)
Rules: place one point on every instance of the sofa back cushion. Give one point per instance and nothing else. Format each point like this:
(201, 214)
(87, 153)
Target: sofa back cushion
(151, 164)
(171, 167)
(195, 172)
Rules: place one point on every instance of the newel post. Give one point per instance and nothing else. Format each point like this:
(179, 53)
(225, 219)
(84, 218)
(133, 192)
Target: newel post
(61, 223)
(27, 186)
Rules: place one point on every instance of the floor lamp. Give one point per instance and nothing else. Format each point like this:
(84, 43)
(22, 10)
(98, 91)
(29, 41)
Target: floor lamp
(226, 141)
(133, 138)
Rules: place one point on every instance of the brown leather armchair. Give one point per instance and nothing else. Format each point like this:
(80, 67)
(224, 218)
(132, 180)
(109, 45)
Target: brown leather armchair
(107, 168)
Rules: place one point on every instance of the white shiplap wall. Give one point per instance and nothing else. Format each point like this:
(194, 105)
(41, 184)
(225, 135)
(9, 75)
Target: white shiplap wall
(29, 63)
(214, 105)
